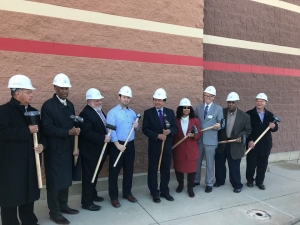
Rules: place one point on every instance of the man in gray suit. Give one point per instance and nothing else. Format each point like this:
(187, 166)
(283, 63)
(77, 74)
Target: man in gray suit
(209, 114)
(237, 124)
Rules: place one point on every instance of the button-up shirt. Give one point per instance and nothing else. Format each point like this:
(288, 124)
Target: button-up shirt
(261, 115)
(230, 122)
(123, 119)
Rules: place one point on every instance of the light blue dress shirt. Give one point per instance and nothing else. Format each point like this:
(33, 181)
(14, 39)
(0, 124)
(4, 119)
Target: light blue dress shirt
(122, 119)
(261, 115)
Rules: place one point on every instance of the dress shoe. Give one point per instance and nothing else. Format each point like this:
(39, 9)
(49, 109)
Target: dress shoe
(237, 190)
(130, 198)
(115, 203)
(167, 196)
(179, 188)
(217, 184)
(92, 207)
(208, 189)
(249, 184)
(156, 199)
(69, 211)
(191, 192)
(261, 186)
(196, 184)
(98, 199)
(60, 219)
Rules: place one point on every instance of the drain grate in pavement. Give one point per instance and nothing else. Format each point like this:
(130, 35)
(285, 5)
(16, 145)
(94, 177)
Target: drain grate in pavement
(259, 214)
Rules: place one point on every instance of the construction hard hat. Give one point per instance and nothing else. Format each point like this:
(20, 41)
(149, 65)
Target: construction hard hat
(62, 80)
(185, 102)
(93, 93)
(20, 81)
(233, 96)
(160, 93)
(211, 90)
(126, 91)
(262, 96)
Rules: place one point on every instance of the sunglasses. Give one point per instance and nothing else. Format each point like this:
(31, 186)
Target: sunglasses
(186, 107)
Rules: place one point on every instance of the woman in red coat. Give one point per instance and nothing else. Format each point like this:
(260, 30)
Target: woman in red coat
(186, 154)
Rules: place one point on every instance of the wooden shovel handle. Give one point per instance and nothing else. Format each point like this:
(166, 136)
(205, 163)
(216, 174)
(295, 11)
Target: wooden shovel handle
(257, 140)
(174, 146)
(75, 151)
(37, 162)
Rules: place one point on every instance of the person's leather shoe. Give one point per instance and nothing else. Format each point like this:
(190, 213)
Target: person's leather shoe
(217, 184)
(60, 219)
(179, 188)
(208, 189)
(168, 197)
(115, 203)
(69, 211)
(196, 184)
(249, 184)
(92, 207)
(98, 199)
(156, 199)
(261, 186)
(237, 190)
(130, 198)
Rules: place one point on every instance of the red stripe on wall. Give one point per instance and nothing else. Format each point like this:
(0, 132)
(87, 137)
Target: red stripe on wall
(18, 45)
(244, 68)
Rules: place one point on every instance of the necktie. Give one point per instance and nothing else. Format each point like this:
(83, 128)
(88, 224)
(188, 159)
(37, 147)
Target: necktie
(160, 117)
(205, 111)
(102, 117)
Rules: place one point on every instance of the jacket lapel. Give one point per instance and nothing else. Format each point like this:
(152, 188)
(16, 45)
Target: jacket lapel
(155, 115)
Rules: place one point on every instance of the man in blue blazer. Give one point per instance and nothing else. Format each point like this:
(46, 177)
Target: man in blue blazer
(154, 127)
(209, 114)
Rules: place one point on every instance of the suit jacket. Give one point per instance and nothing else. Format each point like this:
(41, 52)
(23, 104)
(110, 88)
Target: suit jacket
(152, 128)
(188, 149)
(264, 146)
(214, 115)
(242, 125)
(92, 135)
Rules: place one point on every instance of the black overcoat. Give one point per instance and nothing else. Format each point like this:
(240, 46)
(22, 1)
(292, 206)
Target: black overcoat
(56, 123)
(18, 177)
(92, 135)
(264, 146)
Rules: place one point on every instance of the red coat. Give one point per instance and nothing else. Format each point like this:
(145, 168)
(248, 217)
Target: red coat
(186, 154)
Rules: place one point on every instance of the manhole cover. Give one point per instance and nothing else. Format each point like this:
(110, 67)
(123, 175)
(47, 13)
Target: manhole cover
(259, 214)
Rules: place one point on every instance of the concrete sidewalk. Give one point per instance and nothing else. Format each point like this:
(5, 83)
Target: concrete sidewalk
(280, 200)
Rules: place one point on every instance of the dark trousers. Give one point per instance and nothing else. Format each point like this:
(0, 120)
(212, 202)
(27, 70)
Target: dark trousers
(190, 179)
(89, 191)
(234, 168)
(9, 215)
(164, 174)
(57, 201)
(258, 163)
(126, 162)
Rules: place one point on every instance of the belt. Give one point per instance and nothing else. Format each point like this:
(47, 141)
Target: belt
(122, 142)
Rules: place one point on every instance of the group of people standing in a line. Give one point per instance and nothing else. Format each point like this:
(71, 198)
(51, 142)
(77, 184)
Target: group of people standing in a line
(187, 136)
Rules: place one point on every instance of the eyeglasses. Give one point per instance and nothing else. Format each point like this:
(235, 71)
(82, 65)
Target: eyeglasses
(229, 102)
(208, 96)
(186, 107)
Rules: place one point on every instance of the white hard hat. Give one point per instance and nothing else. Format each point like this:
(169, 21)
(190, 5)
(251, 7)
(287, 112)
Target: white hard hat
(262, 96)
(93, 93)
(20, 81)
(233, 96)
(62, 80)
(126, 91)
(160, 93)
(211, 90)
(185, 102)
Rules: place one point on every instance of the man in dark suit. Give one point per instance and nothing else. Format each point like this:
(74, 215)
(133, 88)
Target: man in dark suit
(91, 140)
(237, 124)
(60, 131)
(154, 128)
(257, 158)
